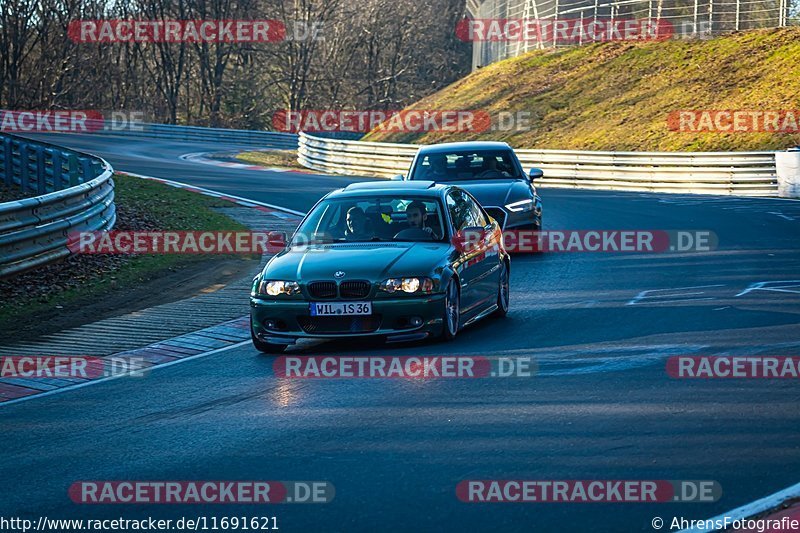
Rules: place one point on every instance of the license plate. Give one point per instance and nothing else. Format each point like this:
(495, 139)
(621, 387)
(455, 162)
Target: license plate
(341, 309)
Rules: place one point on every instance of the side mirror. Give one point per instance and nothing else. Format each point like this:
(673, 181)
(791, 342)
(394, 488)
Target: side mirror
(399, 177)
(535, 174)
(276, 241)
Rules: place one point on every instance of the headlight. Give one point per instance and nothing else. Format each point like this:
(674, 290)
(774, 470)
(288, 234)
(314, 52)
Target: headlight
(408, 285)
(276, 288)
(522, 206)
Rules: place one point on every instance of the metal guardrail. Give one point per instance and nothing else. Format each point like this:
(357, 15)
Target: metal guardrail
(735, 173)
(76, 193)
(268, 139)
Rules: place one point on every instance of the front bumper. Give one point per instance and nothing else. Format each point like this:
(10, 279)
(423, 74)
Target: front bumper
(391, 318)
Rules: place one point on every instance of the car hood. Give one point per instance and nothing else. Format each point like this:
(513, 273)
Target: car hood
(366, 261)
(495, 192)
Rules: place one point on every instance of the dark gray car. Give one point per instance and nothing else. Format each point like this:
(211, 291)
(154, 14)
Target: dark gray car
(489, 171)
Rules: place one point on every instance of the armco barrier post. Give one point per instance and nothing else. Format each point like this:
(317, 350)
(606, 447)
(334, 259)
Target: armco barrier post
(41, 175)
(24, 177)
(86, 166)
(74, 172)
(8, 166)
(58, 170)
(788, 169)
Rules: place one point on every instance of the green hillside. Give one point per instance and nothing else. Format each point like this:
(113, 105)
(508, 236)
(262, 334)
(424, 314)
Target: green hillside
(618, 95)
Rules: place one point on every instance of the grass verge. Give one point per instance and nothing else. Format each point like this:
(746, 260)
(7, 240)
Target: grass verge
(283, 159)
(80, 280)
(618, 95)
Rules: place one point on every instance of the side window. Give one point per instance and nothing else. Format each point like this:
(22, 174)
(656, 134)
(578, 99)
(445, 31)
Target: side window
(459, 210)
(333, 219)
(477, 219)
(423, 167)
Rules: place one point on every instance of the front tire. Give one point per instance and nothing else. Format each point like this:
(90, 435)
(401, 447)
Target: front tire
(452, 311)
(266, 347)
(503, 292)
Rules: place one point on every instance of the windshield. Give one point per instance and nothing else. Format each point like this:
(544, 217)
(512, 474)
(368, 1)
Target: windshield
(373, 219)
(466, 165)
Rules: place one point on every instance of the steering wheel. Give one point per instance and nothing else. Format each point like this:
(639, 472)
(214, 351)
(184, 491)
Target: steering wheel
(413, 234)
(491, 174)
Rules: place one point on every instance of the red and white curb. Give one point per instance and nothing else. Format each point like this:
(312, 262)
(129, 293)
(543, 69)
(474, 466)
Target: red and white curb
(203, 159)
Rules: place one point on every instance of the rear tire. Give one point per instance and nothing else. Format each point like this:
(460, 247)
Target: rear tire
(266, 347)
(452, 311)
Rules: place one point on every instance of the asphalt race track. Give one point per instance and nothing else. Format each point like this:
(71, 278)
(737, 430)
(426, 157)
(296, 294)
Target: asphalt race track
(602, 405)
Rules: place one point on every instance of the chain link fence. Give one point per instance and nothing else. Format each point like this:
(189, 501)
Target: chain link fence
(685, 19)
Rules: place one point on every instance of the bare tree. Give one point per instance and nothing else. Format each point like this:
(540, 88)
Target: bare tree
(19, 36)
(165, 62)
(366, 54)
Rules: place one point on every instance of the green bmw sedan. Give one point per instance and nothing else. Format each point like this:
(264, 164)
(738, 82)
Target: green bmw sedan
(401, 261)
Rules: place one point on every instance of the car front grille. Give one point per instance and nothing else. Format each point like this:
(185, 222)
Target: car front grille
(354, 289)
(339, 324)
(322, 290)
(498, 214)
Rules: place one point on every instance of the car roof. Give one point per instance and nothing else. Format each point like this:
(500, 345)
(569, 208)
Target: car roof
(463, 147)
(377, 188)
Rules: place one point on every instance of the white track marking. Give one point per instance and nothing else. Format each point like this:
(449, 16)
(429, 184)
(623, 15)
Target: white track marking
(217, 193)
(765, 286)
(644, 294)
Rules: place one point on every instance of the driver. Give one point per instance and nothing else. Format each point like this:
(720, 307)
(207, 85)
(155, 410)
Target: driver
(491, 167)
(438, 168)
(417, 215)
(357, 225)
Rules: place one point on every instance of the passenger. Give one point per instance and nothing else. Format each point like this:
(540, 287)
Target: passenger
(462, 167)
(357, 225)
